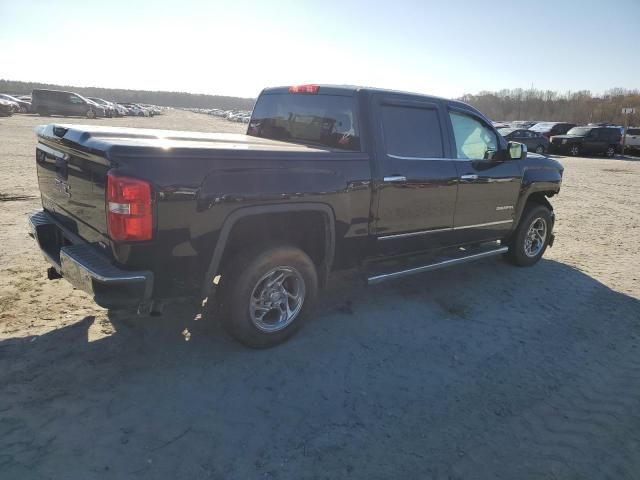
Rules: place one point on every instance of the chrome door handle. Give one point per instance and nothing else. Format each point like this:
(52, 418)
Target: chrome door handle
(395, 178)
(468, 177)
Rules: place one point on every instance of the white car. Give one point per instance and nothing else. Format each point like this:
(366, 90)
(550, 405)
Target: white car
(136, 110)
(632, 138)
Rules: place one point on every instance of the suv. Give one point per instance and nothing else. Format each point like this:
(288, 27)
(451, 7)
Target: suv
(57, 102)
(326, 178)
(549, 129)
(588, 140)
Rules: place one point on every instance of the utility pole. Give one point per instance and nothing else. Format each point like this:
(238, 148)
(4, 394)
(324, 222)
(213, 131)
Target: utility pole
(625, 113)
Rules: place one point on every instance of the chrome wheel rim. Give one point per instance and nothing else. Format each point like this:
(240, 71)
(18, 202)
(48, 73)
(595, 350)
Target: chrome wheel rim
(574, 151)
(276, 299)
(610, 152)
(535, 238)
(540, 150)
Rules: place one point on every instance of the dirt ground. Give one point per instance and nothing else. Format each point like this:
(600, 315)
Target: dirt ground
(485, 371)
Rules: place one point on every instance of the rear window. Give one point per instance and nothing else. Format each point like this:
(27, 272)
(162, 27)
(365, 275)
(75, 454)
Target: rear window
(323, 120)
(542, 127)
(579, 131)
(633, 131)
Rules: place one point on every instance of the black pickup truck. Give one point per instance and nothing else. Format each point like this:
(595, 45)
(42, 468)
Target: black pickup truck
(325, 178)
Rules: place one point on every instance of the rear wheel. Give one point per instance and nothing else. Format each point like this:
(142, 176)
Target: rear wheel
(539, 149)
(531, 238)
(611, 151)
(266, 294)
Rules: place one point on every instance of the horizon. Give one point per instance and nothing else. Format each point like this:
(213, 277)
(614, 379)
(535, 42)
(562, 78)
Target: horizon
(479, 93)
(210, 48)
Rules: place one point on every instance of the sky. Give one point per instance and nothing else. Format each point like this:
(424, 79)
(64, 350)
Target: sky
(238, 47)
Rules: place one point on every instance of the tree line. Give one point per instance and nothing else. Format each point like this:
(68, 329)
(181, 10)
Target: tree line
(168, 99)
(579, 107)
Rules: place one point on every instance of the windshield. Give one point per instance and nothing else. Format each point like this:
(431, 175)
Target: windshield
(505, 131)
(579, 131)
(325, 120)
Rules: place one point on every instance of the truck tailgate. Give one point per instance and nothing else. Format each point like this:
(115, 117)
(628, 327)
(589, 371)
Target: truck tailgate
(72, 183)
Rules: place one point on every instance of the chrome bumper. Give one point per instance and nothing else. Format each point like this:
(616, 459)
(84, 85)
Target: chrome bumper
(87, 268)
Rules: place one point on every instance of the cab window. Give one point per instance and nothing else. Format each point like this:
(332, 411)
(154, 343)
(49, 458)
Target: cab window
(411, 133)
(474, 140)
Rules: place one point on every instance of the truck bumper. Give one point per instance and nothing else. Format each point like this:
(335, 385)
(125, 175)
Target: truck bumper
(84, 266)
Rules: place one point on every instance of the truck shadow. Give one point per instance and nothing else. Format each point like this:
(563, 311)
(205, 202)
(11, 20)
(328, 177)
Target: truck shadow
(376, 371)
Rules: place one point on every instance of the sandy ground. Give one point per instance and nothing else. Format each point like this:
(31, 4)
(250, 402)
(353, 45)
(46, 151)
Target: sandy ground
(485, 371)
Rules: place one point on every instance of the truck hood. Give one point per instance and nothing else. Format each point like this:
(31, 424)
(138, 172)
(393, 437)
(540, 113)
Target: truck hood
(118, 140)
(542, 162)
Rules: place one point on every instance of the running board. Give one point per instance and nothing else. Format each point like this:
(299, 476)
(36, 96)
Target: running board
(441, 263)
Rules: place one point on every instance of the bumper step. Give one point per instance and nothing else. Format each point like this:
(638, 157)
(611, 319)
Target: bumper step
(87, 268)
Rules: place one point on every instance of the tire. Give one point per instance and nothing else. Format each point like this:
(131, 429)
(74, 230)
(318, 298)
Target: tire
(540, 149)
(521, 252)
(141, 114)
(250, 277)
(91, 114)
(574, 150)
(611, 151)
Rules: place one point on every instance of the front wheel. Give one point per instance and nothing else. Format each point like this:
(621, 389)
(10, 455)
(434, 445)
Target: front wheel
(91, 114)
(574, 150)
(532, 236)
(266, 294)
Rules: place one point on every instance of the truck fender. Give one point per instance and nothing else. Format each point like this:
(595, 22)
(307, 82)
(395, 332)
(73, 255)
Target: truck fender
(243, 212)
(538, 183)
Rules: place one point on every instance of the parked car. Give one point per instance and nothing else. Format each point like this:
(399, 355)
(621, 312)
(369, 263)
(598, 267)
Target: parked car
(109, 108)
(632, 138)
(549, 129)
(57, 102)
(534, 141)
(136, 110)
(523, 123)
(23, 106)
(6, 108)
(255, 223)
(122, 110)
(587, 140)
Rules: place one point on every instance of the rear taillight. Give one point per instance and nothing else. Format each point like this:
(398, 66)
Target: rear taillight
(304, 89)
(129, 210)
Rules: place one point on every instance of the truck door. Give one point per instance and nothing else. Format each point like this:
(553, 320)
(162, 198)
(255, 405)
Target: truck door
(417, 180)
(489, 181)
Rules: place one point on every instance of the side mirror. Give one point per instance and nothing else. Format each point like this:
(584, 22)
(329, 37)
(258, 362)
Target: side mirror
(517, 151)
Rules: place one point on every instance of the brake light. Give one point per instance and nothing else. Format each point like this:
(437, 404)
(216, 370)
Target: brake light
(304, 89)
(129, 210)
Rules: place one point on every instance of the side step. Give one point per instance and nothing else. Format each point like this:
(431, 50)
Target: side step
(453, 257)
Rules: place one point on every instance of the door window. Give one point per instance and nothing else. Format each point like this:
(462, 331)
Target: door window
(474, 140)
(411, 133)
(75, 99)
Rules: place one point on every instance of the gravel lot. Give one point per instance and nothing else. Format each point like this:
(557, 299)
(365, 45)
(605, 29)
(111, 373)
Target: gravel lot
(485, 371)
